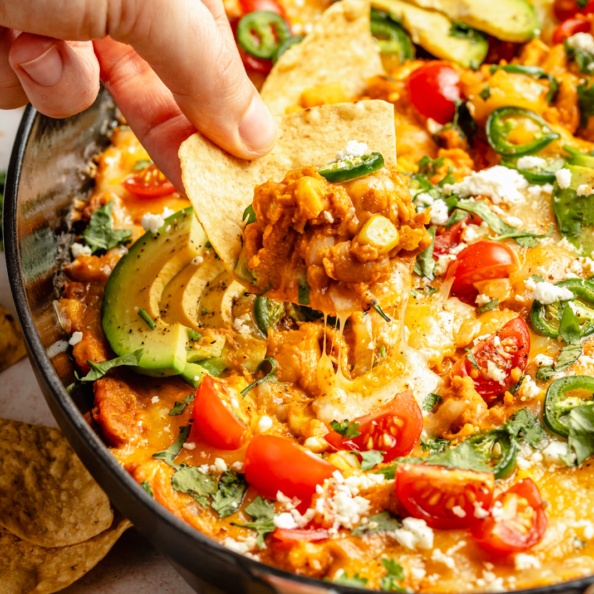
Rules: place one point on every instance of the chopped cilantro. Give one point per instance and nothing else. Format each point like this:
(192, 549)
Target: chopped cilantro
(249, 215)
(370, 458)
(524, 426)
(346, 429)
(269, 377)
(425, 264)
(356, 581)
(568, 356)
(171, 453)
(394, 575)
(100, 234)
(581, 432)
(585, 93)
(147, 487)
(141, 164)
(428, 166)
(383, 522)
(434, 445)
(194, 482)
(431, 401)
(142, 313)
(380, 311)
(230, 493)
(487, 306)
(537, 278)
(569, 328)
(485, 93)
(262, 513)
(193, 335)
(98, 370)
(583, 58)
(303, 290)
(179, 407)
(470, 356)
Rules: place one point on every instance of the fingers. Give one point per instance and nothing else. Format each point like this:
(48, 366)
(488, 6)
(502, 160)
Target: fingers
(147, 104)
(190, 47)
(11, 92)
(59, 78)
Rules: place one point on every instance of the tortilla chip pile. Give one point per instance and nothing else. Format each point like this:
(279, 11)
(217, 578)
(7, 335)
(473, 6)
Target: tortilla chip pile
(55, 521)
(12, 345)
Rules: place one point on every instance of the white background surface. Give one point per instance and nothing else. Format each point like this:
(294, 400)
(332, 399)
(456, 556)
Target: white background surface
(133, 566)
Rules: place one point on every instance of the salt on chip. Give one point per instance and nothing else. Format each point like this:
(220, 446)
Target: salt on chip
(47, 497)
(220, 186)
(340, 48)
(31, 569)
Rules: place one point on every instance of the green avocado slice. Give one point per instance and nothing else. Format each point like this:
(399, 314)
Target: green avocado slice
(433, 32)
(508, 20)
(137, 283)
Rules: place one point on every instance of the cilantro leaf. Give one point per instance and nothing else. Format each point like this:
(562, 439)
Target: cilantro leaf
(249, 215)
(269, 377)
(144, 315)
(581, 432)
(147, 487)
(383, 522)
(171, 453)
(470, 356)
(98, 370)
(141, 164)
(100, 234)
(431, 401)
(356, 581)
(370, 458)
(524, 425)
(262, 514)
(585, 93)
(179, 407)
(194, 482)
(434, 445)
(380, 311)
(464, 456)
(346, 429)
(569, 328)
(230, 493)
(193, 335)
(395, 574)
(485, 93)
(568, 356)
(425, 264)
(487, 306)
(583, 58)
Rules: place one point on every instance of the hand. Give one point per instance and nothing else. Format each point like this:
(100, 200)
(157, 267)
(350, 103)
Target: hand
(171, 66)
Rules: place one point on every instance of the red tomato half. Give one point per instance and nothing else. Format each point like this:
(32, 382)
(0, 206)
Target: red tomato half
(395, 429)
(445, 498)
(570, 27)
(506, 349)
(434, 89)
(288, 537)
(518, 524)
(565, 9)
(480, 261)
(253, 5)
(148, 183)
(451, 237)
(214, 423)
(274, 464)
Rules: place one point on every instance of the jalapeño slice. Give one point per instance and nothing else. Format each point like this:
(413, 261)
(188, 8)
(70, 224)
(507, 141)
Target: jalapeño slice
(503, 121)
(267, 313)
(558, 404)
(501, 451)
(539, 175)
(352, 167)
(546, 319)
(392, 38)
(260, 33)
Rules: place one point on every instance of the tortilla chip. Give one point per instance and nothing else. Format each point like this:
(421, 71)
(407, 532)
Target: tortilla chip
(12, 345)
(47, 497)
(29, 569)
(221, 186)
(340, 48)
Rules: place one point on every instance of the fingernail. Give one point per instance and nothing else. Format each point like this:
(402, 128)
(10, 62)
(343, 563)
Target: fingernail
(258, 128)
(45, 70)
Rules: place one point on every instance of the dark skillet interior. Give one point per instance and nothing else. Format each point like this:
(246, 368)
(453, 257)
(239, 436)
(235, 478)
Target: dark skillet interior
(48, 169)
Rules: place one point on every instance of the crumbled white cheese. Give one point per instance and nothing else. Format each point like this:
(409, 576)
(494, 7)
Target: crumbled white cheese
(458, 511)
(524, 561)
(439, 212)
(328, 216)
(440, 557)
(563, 177)
(555, 451)
(361, 482)
(242, 324)
(189, 445)
(494, 372)
(472, 233)
(284, 520)
(528, 389)
(264, 424)
(75, 338)
(414, 533)
(548, 293)
(353, 149)
(529, 162)
(151, 222)
(155, 399)
(167, 212)
(501, 184)
(424, 199)
(543, 360)
(527, 457)
(536, 191)
(585, 190)
(482, 299)
(491, 581)
(241, 546)
(479, 511)
(238, 466)
(583, 42)
(197, 260)
(78, 249)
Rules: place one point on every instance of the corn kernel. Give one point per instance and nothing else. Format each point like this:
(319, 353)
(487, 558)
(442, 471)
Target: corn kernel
(379, 232)
(309, 192)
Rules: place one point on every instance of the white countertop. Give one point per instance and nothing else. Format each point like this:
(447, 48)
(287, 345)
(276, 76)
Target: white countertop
(133, 566)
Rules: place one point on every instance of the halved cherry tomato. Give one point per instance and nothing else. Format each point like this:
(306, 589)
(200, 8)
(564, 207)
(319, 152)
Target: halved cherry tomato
(274, 464)
(395, 429)
(517, 521)
(291, 536)
(148, 183)
(480, 261)
(570, 27)
(506, 349)
(445, 498)
(565, 9)
(214, 423)
(434, 90)
(253, 5)
(451, 237)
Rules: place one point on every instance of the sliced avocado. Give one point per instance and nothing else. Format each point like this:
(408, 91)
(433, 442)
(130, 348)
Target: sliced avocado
(137, 283)
(574, 212)
(215, 309)
(508, 20)
(433, 32)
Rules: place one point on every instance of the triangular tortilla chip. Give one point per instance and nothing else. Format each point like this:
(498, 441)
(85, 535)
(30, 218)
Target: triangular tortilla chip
(221, 186)
(340, 48)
